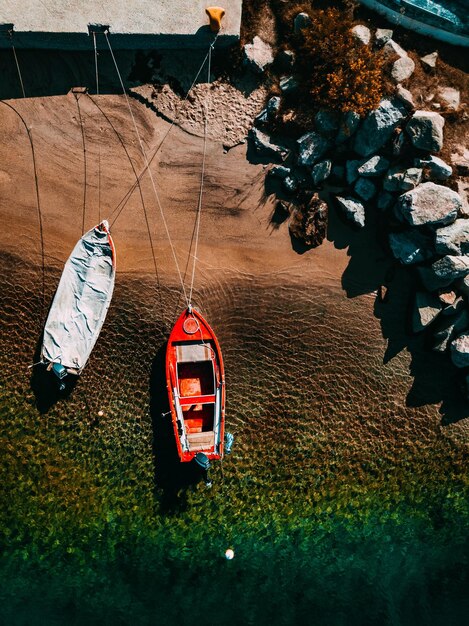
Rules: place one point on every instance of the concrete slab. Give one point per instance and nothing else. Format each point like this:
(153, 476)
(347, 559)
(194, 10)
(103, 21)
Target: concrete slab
(133, 24)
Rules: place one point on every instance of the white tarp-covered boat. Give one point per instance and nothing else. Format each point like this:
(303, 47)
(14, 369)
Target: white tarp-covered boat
(81, 302)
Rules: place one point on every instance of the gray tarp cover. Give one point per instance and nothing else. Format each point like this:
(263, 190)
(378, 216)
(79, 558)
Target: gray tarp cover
(81, 302)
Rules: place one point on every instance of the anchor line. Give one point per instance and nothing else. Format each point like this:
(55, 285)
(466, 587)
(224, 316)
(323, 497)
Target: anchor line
(85, 173)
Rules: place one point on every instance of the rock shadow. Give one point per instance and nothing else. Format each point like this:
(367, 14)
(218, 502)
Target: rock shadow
(372, 269)
(173, 479)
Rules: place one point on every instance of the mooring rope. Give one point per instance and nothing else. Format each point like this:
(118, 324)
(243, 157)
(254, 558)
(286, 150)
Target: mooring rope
(121, 141)
(10, 33)
(201, 189)
(85, 173)
(99, 142)
(122, 203)
(38, 205)
(147, 166)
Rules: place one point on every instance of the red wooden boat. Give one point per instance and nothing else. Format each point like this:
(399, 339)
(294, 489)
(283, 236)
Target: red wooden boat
(195, 378)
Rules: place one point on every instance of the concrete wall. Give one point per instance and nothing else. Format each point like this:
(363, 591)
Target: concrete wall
(134, 24)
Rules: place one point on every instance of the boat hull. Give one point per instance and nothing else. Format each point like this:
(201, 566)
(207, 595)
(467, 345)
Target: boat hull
(195, 379)
(81, 301)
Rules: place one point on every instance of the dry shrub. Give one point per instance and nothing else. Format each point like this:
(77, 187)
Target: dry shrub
(340, 72)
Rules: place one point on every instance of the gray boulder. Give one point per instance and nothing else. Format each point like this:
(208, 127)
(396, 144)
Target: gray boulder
(450, 268)
(321, 171)
(449, 98)
(427, 307)
(327, 122)
(411, 178)
(311, 147)
(280, 171)
(447, 328)
(393, 179)
(460, 350)
(361, 33)
(301, 21)
(428, 204)
(288, 84)
(430, 280)
(258, 55)
(290, 184)
(453, 239)
(353, 210)
(351, 171)
(268, 114)
(286, 59)
(385, 201)
(348, 126)
(402, 69)
(405, 97)
(447, 296)
(434, 167)
(425, 130)
(382, 36)
(429, 60)
(392, 48)
(375, 166)
(264, 147)
(378, 126)
(365, 188)
(411, 246)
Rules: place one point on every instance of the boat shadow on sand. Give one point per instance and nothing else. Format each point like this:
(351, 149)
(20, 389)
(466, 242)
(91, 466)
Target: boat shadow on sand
(173, 479)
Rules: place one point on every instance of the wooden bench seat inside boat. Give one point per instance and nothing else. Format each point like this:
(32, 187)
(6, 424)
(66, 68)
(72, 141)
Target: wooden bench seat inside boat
(201, 441)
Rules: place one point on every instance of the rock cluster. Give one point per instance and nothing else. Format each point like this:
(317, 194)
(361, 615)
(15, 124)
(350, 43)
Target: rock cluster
(388, 163)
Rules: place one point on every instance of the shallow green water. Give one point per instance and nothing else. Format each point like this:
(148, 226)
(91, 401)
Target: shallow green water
(343, 505)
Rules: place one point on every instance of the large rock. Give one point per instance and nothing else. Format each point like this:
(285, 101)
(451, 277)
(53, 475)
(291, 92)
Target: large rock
(382, 36)
(365, 188)
(327, 122)
(411, 246)
(378, 126)
(258, 54)
(321, 171)
(460, 350)
(264, 147)
(449, 98)
(405, 96)
(425, 130)
(301, 21)
(348, 126)
(270, 111)
(447, 328)
(428, 204)
(434, 167)
(430, 280)
(392, 48)
(429, 60)
(308, 221)
(411, 178)
(375, 166)
(450, 268)
(351, 171)
(361, 33)
(311, 147)
(453, 239)
(402, 69)
(393, 179)
(280, 171)
(427, 307)
(353, 210)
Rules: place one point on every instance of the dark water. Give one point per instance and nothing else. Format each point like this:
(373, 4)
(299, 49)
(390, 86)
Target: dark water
(343, 504)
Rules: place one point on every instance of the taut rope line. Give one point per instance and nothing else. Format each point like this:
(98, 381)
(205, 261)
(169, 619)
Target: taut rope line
(38, 205)
(147, 167)
(10, 33)
(120, 206)
(201, 189)
(99, 142)
(85, 173)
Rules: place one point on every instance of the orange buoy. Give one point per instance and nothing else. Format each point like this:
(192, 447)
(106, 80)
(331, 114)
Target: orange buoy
(215, 15)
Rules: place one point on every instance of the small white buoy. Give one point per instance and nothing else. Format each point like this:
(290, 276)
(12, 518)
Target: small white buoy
(229, 554)
(100, 413)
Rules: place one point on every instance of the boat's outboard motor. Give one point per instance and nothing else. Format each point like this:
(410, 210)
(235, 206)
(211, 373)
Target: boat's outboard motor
(203, 462)
(61, 372)
(229, 438)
